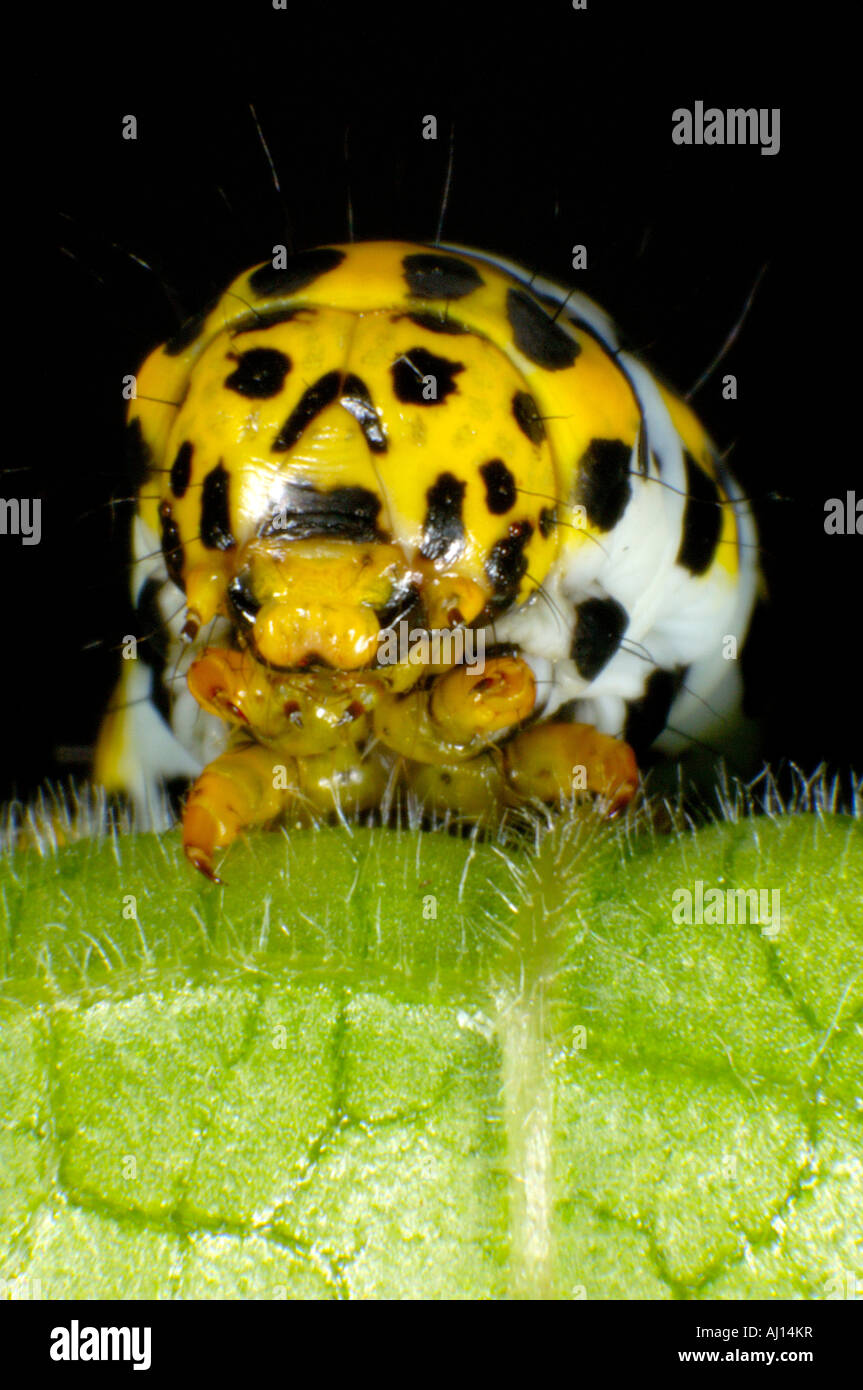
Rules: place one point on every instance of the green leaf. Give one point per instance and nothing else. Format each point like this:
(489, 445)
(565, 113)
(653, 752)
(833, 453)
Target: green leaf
(398, 1064)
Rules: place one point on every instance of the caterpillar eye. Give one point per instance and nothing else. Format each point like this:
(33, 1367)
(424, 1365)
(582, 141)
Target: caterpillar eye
(405, 602)
(242, 600)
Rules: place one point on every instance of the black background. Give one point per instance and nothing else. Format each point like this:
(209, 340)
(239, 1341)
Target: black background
(562, 135)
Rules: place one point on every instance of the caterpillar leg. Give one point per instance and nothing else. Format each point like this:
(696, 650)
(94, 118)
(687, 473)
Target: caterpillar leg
(471, 791)
(460, 714)
(242, 787)
(547, 763)
(345, 780)
(552, 761)
(253, 784)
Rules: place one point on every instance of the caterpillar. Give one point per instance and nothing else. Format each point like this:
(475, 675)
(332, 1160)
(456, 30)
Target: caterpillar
(413, 520)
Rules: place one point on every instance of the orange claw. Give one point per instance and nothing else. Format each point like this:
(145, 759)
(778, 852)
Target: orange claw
(204, 832)
(219, 681)
(468, 701)
(461, 714)
(246, 786)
